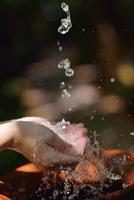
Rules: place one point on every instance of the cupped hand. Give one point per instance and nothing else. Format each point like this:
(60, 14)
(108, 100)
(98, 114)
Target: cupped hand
(50, 145)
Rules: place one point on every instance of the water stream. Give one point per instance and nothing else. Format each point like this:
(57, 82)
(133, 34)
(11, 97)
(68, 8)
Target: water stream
(67, 189)
(65, 64)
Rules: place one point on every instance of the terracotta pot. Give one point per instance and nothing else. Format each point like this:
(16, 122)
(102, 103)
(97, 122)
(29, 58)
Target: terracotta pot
(22, 184)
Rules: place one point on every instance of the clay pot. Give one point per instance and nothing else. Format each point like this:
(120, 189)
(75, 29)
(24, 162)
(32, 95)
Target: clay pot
(23, 184)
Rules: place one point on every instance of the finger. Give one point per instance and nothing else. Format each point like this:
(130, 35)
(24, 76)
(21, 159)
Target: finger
(61, 145)
(81, 143)
(49, 157)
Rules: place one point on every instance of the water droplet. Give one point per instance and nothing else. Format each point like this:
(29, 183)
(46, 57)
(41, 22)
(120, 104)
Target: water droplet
(132, 133)
(70, 87)
(63, 124)
(113, 176)
(65, 93)
(55, 194)
(92, 117)
(65, 7)
(112, 80)
(58, 43)
(64, 64)
(60, 48)
(124, 185)
(62, 84)
(66, 23)
(69, 72)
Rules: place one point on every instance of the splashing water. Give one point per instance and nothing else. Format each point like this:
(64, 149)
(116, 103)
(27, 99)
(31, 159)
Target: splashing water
(53, 189)
(63, 124)
(66, 23)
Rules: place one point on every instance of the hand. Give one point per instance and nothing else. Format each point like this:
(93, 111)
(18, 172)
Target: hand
(49, 145)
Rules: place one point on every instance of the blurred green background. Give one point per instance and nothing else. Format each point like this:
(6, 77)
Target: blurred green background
(100, 46)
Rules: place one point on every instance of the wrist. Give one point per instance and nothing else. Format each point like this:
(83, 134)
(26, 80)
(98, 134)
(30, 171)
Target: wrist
(8, 133)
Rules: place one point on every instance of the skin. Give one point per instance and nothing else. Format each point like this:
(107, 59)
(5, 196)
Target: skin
(45, 144)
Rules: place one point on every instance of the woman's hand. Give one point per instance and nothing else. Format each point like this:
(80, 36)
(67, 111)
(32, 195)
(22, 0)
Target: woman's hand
(49, 145)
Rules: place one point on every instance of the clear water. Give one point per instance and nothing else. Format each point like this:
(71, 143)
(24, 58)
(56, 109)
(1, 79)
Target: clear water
(70, 190)
(65, 93)
(66, 23)
(69, 72)
(62, 84)
(55, 189)
(62, 125)
(65, 64)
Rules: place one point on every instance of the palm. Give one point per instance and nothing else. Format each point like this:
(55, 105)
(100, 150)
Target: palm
(65, 144)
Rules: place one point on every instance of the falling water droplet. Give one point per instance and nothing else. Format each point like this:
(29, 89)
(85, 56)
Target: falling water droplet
(58, 43)
(62, 84)
(69, 72)
(64, 64)
(65, 7)
(112, 80)
(70, 87)
(124, 185)
(66, 23)
(132, 133)
(65, 93)
(60, 48)
(83, 29)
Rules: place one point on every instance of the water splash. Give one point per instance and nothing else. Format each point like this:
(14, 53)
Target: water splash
(66, 23)
(53, 189)
(112, 176)
(63, 124)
